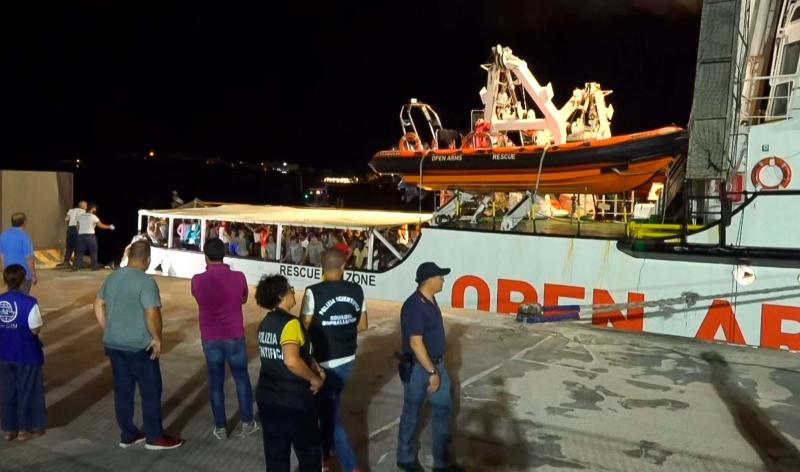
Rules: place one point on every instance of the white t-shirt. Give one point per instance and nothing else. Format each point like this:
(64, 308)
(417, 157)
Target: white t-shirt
(87, 223)
(361, 256)
(73, 215)
(223, 235)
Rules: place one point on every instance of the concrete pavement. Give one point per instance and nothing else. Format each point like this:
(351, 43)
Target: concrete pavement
(561, 396)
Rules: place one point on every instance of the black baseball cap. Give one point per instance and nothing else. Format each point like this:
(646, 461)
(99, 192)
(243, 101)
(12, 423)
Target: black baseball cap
(427, 270)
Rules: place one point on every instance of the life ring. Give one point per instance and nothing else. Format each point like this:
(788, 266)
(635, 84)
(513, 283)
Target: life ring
(407, 139)
(775, 162)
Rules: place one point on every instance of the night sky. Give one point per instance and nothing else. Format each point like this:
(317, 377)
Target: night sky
(316, 84)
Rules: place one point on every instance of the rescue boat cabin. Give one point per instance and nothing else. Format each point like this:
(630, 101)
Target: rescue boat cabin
(256, 238)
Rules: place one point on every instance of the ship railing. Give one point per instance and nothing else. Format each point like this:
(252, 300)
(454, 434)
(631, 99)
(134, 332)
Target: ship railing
(431, 118)
(394, 248)
(707, 205)
(769, 98)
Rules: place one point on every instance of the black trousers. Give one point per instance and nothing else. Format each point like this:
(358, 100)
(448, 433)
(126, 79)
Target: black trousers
(72, 243)
(285, 428)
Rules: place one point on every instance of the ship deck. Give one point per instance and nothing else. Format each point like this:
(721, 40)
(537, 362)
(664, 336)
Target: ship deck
(551, 227)
(561, 396)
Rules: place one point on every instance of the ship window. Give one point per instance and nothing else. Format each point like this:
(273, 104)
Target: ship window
(779, 106)
(795, 15)
(791, 53)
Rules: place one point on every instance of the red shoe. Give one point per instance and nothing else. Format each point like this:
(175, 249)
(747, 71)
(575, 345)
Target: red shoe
(138, 439)
(163, 442)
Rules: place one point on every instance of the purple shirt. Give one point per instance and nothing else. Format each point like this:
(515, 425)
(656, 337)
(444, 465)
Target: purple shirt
(220, 293)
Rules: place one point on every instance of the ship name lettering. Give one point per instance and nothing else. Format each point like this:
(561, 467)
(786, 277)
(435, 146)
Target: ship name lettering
(305, 272)
(509, 294)
(455, 157)
(503, 157)
(360, 279)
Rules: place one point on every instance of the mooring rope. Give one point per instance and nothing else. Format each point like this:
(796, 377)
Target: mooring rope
(686, 298)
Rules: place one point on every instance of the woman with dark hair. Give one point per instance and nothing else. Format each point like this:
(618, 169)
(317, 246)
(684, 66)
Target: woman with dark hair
(21, 359)
(288, 381)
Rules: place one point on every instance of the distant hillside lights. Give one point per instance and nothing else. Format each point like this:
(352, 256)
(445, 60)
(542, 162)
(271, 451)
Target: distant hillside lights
(282, 167)
(340, 180)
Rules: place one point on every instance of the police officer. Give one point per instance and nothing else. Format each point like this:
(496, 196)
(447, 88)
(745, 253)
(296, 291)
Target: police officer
(424, 340)
(288, 381)
(334, 311)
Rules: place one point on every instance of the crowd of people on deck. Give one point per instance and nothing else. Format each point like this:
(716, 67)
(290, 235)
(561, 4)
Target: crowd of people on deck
(299, 245)
(306, 359)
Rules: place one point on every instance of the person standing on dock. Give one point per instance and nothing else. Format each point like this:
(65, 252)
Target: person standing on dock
(16, 247)
(334, 312)
(21, 357)
(87, 240)
(423, 340)
(288, 381)
(71, 219)
(220, 293)
(128, 310)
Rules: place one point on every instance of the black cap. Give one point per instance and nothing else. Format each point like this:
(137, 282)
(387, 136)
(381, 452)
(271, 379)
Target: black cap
(427, 270)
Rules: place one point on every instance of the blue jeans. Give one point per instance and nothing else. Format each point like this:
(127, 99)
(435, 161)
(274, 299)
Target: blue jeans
(131, 368)
(332, 430)
(415, 395)
(22, 397)
(235, 351)
(86, 242)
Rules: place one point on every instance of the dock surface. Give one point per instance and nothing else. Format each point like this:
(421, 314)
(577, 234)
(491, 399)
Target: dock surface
(558, 396)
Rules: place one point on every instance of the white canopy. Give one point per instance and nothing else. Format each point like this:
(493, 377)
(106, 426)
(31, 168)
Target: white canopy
(295, 216)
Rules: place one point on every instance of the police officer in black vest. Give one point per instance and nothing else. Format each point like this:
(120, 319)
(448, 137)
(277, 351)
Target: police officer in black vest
(428, 382)
(334, 311)
(288, 381)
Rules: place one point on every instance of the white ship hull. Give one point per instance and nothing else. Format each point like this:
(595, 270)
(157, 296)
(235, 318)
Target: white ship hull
(497, 272)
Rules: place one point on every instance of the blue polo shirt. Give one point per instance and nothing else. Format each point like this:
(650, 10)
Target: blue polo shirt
(421, 317)
(16, 246)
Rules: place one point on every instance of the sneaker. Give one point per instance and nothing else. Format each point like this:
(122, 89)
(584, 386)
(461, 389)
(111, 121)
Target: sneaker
(410, 466)
(220, 433)
(326, 465)
(137, 440)
(249, 428)
(28, 435)
(162, 443)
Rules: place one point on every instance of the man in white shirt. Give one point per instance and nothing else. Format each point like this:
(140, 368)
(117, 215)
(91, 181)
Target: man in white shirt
(87, 240)
(71, 219)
